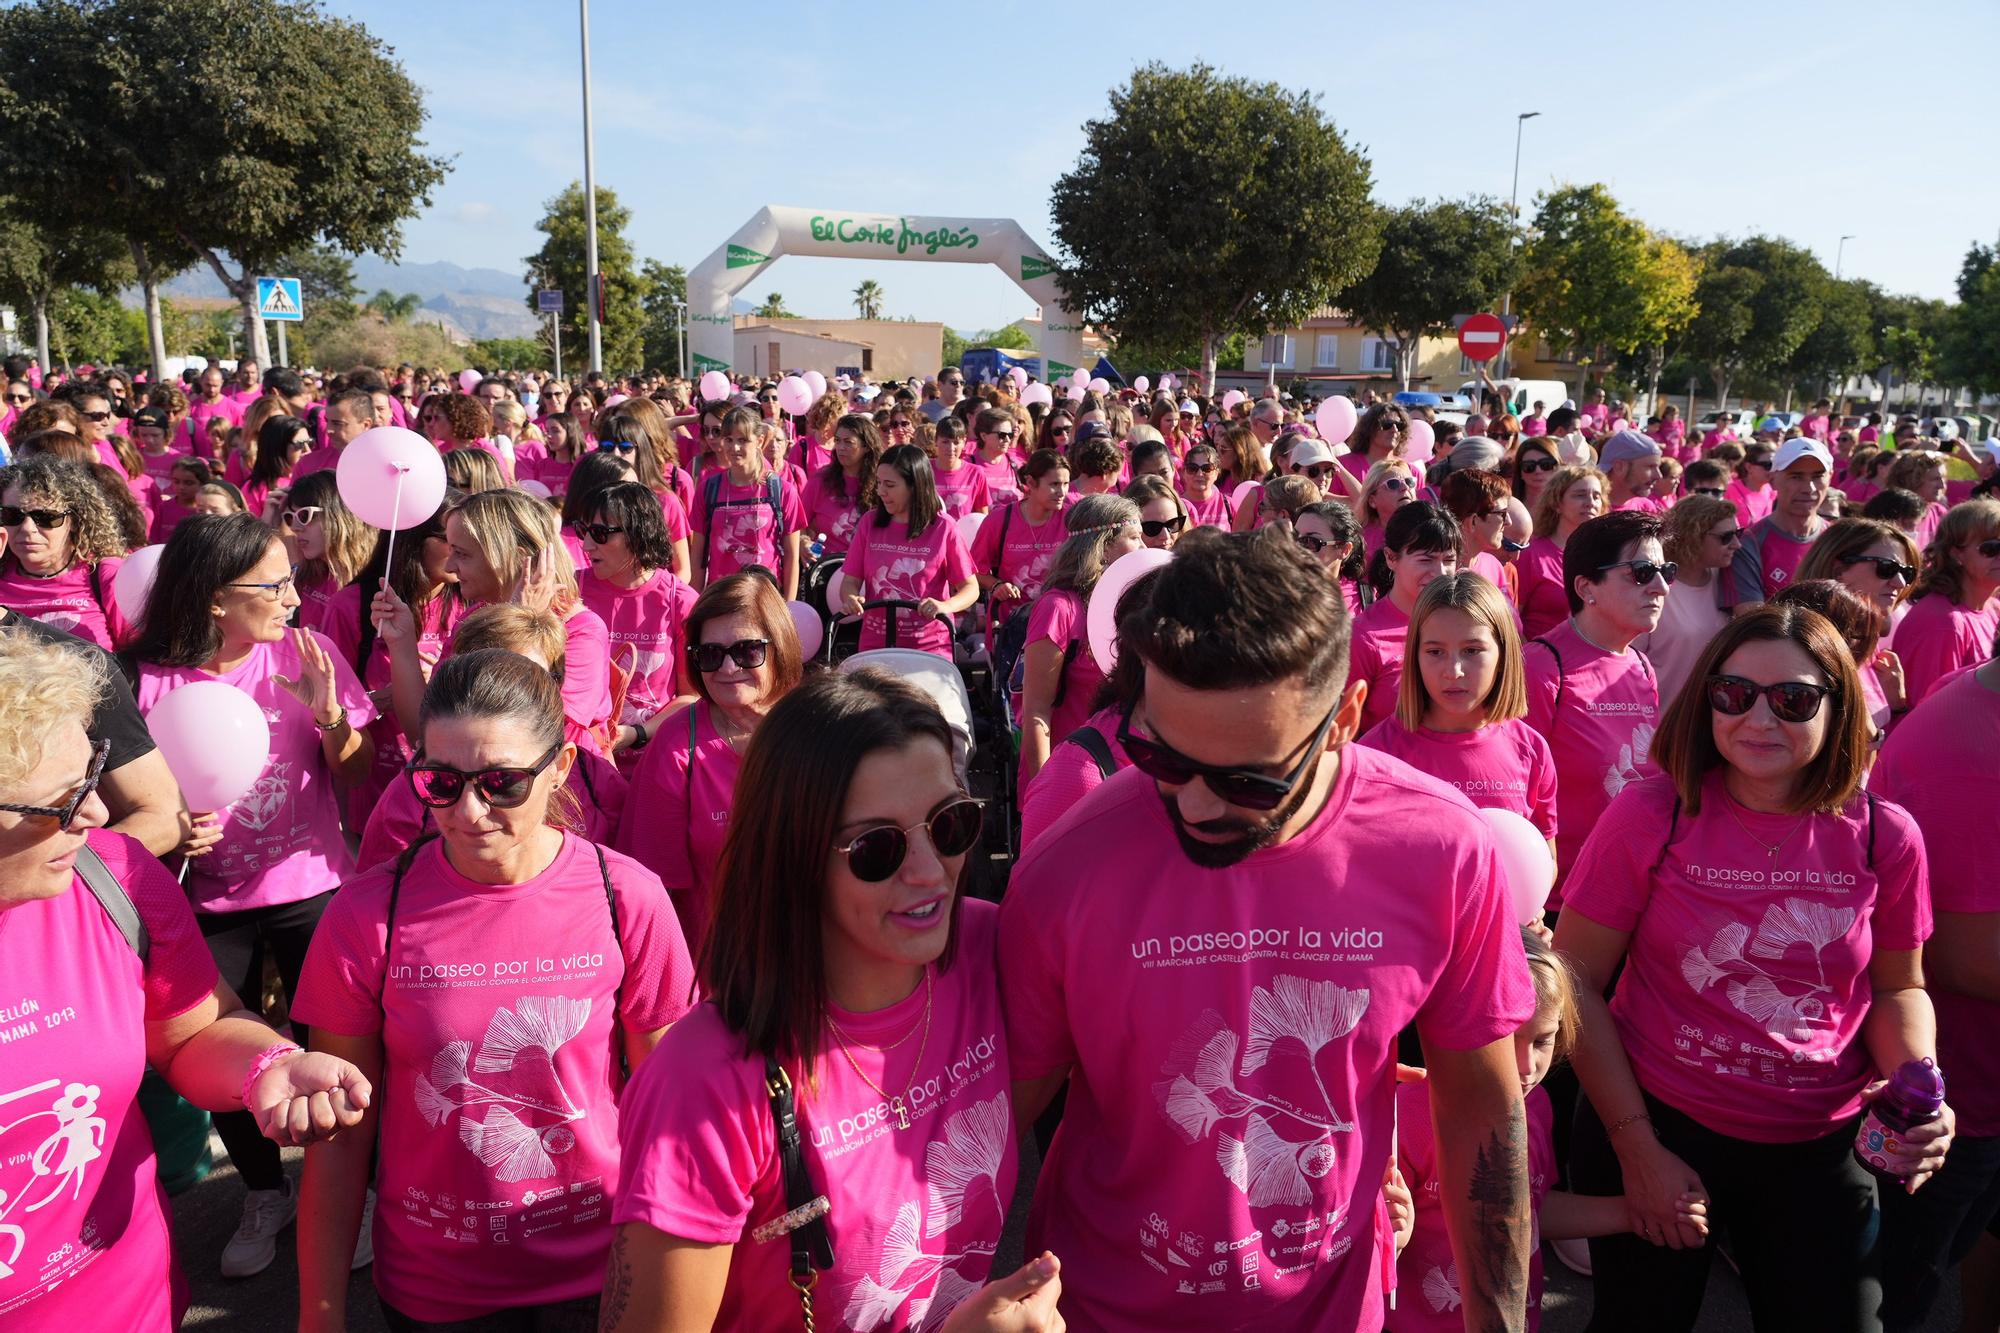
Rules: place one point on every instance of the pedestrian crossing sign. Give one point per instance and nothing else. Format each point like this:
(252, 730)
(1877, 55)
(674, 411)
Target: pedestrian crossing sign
(278, 298)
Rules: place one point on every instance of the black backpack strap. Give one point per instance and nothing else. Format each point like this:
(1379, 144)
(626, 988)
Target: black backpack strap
(711, 491)
(117, 903)
(589, 787)
(1000, 547)
(1562, 679)
(364, 645)
(1091, 741)
(1673, 825)
(804, 1218)
(1870, 796)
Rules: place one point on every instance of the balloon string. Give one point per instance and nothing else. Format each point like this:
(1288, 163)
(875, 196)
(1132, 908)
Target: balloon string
(395, 521)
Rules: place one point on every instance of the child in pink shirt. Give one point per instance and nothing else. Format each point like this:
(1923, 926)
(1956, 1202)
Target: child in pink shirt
(1421, 542)
(745, 514)
(960, 486)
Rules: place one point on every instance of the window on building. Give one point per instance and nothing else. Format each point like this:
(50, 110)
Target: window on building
(867, 359)
(1326, 351)
(1377, 354)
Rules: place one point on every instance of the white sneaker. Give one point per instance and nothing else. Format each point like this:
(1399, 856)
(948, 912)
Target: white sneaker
(255, 1244)
(1575, 1255)
(364, 1243)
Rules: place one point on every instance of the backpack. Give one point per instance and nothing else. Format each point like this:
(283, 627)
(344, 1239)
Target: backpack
(1091, 741)
(117, 903)
(711, 500)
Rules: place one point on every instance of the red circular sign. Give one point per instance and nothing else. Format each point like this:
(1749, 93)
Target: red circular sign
(1481, 337)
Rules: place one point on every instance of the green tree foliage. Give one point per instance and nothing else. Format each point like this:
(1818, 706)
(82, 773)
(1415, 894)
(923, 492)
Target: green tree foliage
(393, 307)
(773, 307)
(1841, 344)
(560, 264)
(1759, 299)
(90, 328)
(251, 129)
(1592, 275)
(509, 354)
(1204, 205)
(37, 262)
(868, 299)
(1440, 260)
(1971, 351)
(662, 288)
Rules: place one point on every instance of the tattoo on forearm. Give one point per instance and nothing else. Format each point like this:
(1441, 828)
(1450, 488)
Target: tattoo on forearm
(617, 1286)
(1498, 1270)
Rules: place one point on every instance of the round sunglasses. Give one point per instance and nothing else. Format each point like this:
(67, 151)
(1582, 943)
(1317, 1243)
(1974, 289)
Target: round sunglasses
(748, 654)
(877, 853)
(503, 787)
(1791, 700)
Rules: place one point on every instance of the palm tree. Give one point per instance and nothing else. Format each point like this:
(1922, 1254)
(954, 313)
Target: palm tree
(868, 299)
(394, 308)
(773, 308)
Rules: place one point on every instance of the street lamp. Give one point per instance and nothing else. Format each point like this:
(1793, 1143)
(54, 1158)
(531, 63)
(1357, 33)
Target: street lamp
(1839, 254)
(592, 281)
(1513, 212)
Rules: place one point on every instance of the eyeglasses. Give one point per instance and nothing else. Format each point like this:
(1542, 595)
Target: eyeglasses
(952, 383)
(1198, 467)
(65, 814)
(276, 590)
(45, 519)
(304, 514)
(439, 785)
(97, 416)
(1244, 787)
(1886, 567)
(617, 447)
(599, 533)
(1158, 527)
(1645, 571)
(1990, 548)
(746, 653)
(1791, 700)
(878, 853)
(1543, 463)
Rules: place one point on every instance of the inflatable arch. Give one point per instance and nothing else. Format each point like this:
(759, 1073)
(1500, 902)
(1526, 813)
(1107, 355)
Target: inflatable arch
(777, 231)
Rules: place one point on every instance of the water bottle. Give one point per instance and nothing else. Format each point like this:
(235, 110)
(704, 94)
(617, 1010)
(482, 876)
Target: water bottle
(1915, 1096)
(818, 547)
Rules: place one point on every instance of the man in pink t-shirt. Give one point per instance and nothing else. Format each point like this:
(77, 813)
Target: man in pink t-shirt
(1221, 945)
(1631, 464)
(1776, 544)
(347, 417)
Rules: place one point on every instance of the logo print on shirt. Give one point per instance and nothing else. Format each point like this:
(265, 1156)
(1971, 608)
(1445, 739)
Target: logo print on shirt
(525, 1123)
(257, 808)
(1441, 1288)
(741, 530)
(902, 579)
(63, 1158)
(1291, 1023)
(1631, 757)
(1787, 1002)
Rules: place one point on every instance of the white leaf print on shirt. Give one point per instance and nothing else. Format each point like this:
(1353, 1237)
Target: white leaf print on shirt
(1270, 1169)
(1441, 1288)
(971, 1153)
(1631, 757)
(1783, 999)
(902, 579)
(517, 1111)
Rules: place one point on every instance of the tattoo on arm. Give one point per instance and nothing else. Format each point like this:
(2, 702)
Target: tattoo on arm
(1501, 1210)
(617, 1286)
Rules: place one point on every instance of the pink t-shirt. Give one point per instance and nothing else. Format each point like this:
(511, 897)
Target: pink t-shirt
(1938, 637)
(1505, 766)
(315, 603)
(500, 1009)
(397, 818)
(160, 467)
(1927, 525)
(1598, 711)
(324, 459)
(744, 531)
(1860, 489)
(392, 747)
(281, 841)
(199, 411)
(833, 511)
(1766, 562)
(167, 516)
(1746, 980)
(1069, 775)
(553, 473)
(1003, 481)
(1058, 617)
(1428, 1293)
(686, 817)
(1212, 512)
(808, 454)
(1030, 548)
(1539, 575)
(1377, 657)
(1941, 764)
(77, 601)
(888, 564)
(644, 625)
(963, 490)
(1234, 1042)
(918, 1199)
(83, 1220)
(1750, 505)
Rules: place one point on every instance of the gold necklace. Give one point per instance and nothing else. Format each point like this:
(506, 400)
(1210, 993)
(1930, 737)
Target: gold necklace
(897, 1102)
(1770, 848)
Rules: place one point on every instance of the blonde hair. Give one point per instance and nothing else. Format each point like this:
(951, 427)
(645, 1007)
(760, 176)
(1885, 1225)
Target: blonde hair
(1555, 990)
(510, 528)
(1548, 510)
(1687, 524)
(1475, 595)
(1910, 467)
(45, 689)
(1377, 474)
(536, 635)
(1975, 520)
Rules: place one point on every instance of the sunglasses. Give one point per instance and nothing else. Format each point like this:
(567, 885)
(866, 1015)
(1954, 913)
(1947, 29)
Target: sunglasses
(21, 398)
(1320, 472)
(878, 853)
(952, 383)
(616, 447)
(1712, 492)
(97, 416)
(1886, 567)
(1990, 548)
(767, 397)
(899, 425)
(1157, 527)
(711, 432)
(746, 653)
(1244, 787)
(439, 785)
(304, 514)
(1198, 467)
(65, 814)
(45, 519)
(999, 434)
(1055, 431)
(1398, 484)
(1729, 538)
(1540, 464)
(1791, 700)
(1312, 541)
(1645, 571)
(599, 533)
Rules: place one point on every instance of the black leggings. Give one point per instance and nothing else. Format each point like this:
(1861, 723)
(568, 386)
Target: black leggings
(237, 941)
(574, 1316)
(1926, 1234)
(1801, 1221)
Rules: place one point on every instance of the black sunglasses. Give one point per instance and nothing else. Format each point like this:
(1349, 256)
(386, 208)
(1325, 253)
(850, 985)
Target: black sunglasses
(1000, 434)
(1791, 700)
(597, 532)
(439, 785)
(45, 519)
(21, 398)
(1712, 492)
(1155, 527)
(1888, 567)
(1541, 463)
(1990, 548)
(65, 814)
(616, 446)
(97, 416)
(1198, 467)
(1312, 541)
(1244, 787)
(746, 653)
(878, 853)
(1645, 571)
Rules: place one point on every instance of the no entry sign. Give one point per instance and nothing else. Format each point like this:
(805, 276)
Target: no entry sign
(1481, 337)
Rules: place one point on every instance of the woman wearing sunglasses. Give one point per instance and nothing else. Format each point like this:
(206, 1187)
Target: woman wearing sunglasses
(1163, 517)
(1379, 436)
(496, 980)
(999, 455)
(60, 549)
(1422, 543)
(743, 657)
(281, 442)
(100, 940)
(1388, 486)
(1877, 560)
(261, 872)
(638, 430)
(634, 589)
(1860, 627)
(1572, 497)
(1199, 472)
(1059, 674)
(1478, 499)
(1700, 537)
(1954, 613)
(1534, 464)
(1768, 917)
(329, 542)
(838, 494)
(1331, 535)
(852, 984)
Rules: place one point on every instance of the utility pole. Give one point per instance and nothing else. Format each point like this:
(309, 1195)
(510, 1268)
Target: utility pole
(1513, 212)
(593, 280)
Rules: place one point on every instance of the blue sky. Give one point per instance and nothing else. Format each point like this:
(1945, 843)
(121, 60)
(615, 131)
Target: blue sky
(1703, 118)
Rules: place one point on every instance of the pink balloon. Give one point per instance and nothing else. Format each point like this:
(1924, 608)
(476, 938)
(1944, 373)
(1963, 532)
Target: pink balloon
(811, 631)
(1081, 379)
(215, 741)
(1100, 617)
(1142, 384)
(468, 380)
(1231, 399)
(1074, 393)
(795, 395)
(1421, 438)
(1100, 385)
(1018, 375)
(1037, 393)
(1167, 382)
(714, 386)
(1525, 862)
(816, 382)
(534, 488)
(1335, 418)
(134, 581)
(1620, 424)
(968, 526)
(391, 477)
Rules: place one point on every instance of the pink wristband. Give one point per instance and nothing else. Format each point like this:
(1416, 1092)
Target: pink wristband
(267, 1057)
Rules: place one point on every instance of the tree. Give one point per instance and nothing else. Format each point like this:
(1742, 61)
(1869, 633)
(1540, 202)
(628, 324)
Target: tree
(395, 308)
(1971, 351)
(1758, 300)
(251, 128)
(773, 308)
(1584, 284)
(89, 328)
(1842, 344)
(868, 299)
(1437, 261)
(38, 262)
(1666, 282)
(1204, 206)
(559, 264)
(508, 353)
(663, 289)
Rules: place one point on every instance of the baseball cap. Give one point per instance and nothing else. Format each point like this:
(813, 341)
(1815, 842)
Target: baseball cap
(1188, 407)
(1992, 448)
(156, 417)
(867, 393)
(1309, 452)
(1625, 445)
(1803, 447)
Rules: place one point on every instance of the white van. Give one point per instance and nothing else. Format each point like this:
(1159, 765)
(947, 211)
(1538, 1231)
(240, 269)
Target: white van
(1522, 395)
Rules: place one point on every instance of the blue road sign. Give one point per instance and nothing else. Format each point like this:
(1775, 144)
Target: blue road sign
(278, 298)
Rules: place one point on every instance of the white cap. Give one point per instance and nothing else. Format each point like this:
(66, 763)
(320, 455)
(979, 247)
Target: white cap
(1805, 446)
(1189, 406)
(1308, 452)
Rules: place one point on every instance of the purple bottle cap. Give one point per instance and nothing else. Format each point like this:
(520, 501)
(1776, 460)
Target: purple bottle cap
(1920, 1081)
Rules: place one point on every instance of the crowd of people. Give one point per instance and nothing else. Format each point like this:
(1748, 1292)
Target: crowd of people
(615, 953)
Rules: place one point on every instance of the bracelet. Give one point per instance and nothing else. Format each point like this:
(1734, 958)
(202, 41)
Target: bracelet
(1628, 1120)
(339, 721)
(267, 1057)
